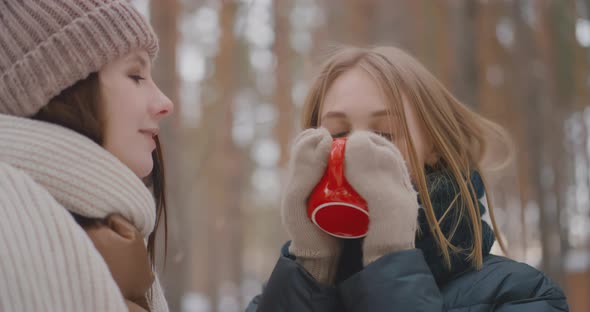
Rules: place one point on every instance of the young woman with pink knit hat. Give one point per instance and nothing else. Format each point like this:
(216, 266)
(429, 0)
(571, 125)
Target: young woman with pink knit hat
(79, 153)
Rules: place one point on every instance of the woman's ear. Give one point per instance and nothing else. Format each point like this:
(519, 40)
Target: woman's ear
(431, 157)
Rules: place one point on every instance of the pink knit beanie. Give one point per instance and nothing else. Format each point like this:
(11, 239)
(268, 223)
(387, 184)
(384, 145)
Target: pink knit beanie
(48, 45)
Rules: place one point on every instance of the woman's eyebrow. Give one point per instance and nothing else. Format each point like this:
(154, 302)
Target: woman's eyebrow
(380, 113)
(136, 58)
(334, 115)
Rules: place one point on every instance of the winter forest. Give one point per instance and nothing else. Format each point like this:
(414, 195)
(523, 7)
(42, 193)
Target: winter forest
(238, 72)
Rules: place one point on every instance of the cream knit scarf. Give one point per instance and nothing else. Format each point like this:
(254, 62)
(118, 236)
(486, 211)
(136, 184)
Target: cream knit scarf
(47, 263)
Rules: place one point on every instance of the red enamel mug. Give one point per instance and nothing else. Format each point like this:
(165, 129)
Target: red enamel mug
(334, 206)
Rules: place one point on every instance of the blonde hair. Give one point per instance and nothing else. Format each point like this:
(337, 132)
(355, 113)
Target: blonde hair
(459, 136)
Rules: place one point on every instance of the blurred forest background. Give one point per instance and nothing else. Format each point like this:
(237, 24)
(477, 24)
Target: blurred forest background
(238, 73)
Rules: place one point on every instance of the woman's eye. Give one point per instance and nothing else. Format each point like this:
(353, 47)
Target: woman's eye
(386, 135)
(340, 135)
(136, 78)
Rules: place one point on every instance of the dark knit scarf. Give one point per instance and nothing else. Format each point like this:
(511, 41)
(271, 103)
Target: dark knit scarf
(442, 188)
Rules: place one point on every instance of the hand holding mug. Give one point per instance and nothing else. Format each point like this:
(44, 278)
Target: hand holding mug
(377, 171)
(315, 250)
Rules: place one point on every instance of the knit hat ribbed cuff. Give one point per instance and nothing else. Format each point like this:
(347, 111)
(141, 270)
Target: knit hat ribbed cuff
(79, 48)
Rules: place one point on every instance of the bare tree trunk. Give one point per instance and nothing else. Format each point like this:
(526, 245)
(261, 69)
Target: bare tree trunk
(391, 21)
(564, 29)
(549, 192)
(220, 165)
(431, 40)
(495, 85)
(359, 13)
(463, 30)
(525, 90)
(282, 95)
(164, 17)
(582, 68)
(440, 45)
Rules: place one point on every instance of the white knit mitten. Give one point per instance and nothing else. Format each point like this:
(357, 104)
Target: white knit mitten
(376, 169)
(317, 251)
